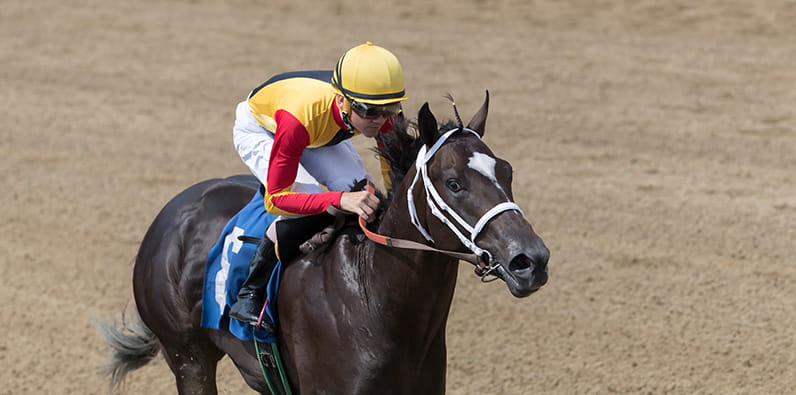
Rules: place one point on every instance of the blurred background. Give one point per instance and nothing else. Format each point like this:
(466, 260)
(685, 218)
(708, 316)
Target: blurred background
(652, 142)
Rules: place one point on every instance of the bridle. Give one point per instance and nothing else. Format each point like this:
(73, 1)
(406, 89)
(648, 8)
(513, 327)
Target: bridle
(479, 257)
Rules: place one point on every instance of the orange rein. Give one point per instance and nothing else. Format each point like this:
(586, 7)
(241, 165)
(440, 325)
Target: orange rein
(409, 244)
(375, 237)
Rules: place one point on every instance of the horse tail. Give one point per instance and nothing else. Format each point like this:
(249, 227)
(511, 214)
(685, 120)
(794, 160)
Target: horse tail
(132, 345)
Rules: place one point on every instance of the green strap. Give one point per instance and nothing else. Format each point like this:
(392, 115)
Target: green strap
(278, 359)
(282, 374)
(262, 367)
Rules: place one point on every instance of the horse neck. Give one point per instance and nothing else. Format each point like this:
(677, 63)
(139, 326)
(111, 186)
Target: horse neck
(427, 279)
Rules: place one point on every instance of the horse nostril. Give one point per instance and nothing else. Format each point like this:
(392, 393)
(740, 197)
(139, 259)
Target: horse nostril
(520, 262)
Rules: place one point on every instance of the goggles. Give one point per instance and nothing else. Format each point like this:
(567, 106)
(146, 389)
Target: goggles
(371, 111)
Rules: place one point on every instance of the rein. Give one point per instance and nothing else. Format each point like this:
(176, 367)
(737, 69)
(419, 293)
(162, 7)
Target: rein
(413, 245)
(479, 257)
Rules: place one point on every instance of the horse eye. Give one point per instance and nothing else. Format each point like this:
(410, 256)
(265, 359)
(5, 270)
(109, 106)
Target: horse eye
(454, 185)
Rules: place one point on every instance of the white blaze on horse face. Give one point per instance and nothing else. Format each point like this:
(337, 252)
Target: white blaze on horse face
(485, 165)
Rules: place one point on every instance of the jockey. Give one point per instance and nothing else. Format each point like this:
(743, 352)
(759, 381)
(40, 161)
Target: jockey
(292, 132)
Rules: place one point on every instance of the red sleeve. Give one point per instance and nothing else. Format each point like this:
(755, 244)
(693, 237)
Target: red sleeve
(290, 140)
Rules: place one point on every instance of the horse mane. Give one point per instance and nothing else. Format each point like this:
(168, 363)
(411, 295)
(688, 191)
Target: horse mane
(399, 149)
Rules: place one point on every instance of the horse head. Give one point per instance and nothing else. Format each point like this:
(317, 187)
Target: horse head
(466, 202)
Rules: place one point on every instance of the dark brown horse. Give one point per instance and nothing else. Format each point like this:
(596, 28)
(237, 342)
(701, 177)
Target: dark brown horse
(357, 317)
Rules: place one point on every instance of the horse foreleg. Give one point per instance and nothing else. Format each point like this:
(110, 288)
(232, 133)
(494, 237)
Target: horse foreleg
(194, 367)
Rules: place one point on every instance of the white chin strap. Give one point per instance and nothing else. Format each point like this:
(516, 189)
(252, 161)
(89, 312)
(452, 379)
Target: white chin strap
(438, 206)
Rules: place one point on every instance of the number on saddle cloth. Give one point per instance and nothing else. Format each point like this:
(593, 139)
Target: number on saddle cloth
(228, 266)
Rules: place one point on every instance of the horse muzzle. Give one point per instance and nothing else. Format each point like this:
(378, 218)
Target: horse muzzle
(525, 272)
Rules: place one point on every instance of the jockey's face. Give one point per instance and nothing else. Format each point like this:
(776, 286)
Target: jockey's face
(369, 127)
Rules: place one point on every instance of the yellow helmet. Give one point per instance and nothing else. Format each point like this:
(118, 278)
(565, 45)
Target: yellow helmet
(369, 74)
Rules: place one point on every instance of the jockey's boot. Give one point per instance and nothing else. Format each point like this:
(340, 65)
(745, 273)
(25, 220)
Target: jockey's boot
(251, 295)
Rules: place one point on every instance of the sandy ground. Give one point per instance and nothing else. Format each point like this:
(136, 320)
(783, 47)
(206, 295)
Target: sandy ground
(653, 145)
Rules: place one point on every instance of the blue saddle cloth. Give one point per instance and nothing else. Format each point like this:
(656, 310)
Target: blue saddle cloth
(228, 267)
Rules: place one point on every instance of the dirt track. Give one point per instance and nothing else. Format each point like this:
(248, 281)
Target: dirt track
(654, 150)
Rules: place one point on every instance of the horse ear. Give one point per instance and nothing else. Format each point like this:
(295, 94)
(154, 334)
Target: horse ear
(427, 124)
(478, 123)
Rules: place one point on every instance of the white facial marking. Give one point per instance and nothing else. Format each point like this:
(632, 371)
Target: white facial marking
(483, 164)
